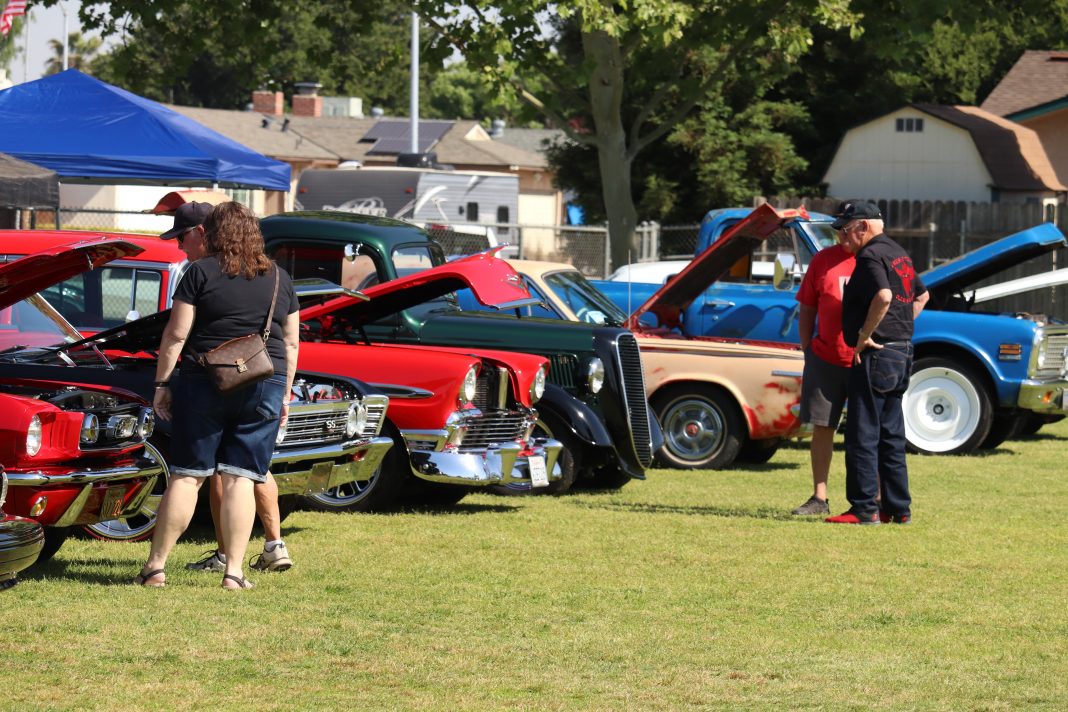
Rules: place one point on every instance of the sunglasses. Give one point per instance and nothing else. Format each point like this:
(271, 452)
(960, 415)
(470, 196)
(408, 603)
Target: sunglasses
(181, 235)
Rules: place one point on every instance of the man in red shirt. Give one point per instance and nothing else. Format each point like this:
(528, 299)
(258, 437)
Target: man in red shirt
(827, 362)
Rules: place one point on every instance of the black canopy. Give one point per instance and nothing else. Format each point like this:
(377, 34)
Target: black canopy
(26, 185)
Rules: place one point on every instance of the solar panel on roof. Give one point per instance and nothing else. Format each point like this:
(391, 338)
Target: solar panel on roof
(392, 137)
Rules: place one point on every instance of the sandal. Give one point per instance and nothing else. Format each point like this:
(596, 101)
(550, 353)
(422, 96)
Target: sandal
(142, 579)
(242, 582)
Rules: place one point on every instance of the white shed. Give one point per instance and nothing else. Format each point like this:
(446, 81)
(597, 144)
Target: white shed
(936, 152)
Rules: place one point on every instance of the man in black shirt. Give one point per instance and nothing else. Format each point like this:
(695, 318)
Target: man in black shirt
(879, 304)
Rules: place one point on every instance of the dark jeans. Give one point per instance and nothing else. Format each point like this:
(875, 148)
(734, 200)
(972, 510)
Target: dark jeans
(875, 431)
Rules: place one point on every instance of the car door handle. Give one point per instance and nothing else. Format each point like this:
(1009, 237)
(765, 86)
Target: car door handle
(790, 319)
(718, 303)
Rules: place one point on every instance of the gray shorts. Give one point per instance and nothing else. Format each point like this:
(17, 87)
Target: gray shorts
(823, 391)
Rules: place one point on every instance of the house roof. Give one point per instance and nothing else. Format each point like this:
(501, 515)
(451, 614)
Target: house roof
(1012, 153)
(341, 138)
(247, 128)
(533, 140)
(1039, 77)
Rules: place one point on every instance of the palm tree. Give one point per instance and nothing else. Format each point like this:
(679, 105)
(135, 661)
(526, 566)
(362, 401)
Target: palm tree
(80, 51)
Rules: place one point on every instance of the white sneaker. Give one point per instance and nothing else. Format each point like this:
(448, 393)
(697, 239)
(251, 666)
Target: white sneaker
(214, 561)
(277, 559)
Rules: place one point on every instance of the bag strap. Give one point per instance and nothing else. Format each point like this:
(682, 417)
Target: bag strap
(270, 314)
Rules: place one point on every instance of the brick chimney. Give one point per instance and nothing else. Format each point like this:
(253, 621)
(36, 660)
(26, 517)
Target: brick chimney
(268, 102)
(307, 102)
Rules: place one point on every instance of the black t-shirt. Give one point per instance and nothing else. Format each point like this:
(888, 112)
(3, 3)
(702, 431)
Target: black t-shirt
(881, 264)
(229, 307)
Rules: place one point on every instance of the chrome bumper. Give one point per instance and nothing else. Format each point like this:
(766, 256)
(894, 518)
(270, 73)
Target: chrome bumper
(1045, 397)
(314, 470)
(500, 464)
(149, 466)
(21, 541)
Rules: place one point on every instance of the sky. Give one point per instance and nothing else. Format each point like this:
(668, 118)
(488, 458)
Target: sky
(45, 24)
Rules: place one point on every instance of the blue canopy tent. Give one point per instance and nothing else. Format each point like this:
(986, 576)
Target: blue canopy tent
(88, 131)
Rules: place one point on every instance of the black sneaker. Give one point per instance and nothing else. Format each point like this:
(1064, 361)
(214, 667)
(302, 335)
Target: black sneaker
(814, 505)
(212, 561)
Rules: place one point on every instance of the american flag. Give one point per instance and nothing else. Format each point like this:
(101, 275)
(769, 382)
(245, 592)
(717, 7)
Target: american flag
(13, 9)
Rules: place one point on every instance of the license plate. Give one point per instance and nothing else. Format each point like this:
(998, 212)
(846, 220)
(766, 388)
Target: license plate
(111, 505)
(539, 477)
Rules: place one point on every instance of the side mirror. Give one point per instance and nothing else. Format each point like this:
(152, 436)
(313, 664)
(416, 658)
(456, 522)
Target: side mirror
(785, 267)
(352, 252)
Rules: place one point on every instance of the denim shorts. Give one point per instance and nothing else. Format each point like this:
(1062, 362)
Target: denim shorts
(232, 434)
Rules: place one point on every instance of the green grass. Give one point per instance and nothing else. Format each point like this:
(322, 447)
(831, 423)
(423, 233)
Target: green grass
(688, 590)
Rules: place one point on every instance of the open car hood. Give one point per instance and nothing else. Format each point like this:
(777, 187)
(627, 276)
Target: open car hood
(671, 300)
(947, 279)
(491, 280)
(28, 275)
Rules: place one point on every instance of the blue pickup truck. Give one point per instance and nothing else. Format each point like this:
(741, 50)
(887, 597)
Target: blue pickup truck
(978, 378)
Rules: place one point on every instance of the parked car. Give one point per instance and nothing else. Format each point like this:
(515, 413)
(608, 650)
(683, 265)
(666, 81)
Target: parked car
(595, 401)
(333, 435)
(978, 376)
(21, 541)
(73, 454)
(716, 398)
(428, 386)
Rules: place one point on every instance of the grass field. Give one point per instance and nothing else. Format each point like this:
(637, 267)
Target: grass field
(688, 590)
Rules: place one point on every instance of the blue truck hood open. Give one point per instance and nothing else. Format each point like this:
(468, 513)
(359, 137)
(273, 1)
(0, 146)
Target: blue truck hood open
(986, 261)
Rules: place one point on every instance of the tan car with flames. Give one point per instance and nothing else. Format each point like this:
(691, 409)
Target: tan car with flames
(718, 399)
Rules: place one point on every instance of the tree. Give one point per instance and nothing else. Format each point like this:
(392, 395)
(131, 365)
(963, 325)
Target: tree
(216, 54)
(619, 77)
(8, 47)
(80, 53)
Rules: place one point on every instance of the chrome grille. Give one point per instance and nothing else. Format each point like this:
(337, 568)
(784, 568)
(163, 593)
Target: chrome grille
(315, 424)
(630, 369)
(1053, 361)
(488, 387)
(376, 415)
(493, 428)
(562, 370)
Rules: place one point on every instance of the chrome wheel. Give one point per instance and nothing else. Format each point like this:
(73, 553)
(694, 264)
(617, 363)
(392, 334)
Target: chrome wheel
(140, 524)
(703, 427)
(693, 428)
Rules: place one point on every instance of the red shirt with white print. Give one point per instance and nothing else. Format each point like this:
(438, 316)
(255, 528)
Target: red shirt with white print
(822, 290)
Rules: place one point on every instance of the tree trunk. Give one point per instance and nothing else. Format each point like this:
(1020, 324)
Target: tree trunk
(606, 101)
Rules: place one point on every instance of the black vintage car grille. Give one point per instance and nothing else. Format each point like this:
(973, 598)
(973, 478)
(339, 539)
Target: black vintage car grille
(562, 370)
(493, 429)
(630, 368)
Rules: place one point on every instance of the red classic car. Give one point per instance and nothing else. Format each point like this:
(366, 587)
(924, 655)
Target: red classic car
(443, 415)
(74, 454)
(21, 541)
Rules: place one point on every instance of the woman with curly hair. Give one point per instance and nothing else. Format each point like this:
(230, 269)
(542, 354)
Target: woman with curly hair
(225, 295)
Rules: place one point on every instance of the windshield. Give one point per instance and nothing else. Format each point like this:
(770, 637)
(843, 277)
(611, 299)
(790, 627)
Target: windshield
(31, 327)
(822, 234)
(586, 301)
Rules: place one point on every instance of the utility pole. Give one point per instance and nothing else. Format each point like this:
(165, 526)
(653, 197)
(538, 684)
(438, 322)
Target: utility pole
(413, 97)
(66, 34)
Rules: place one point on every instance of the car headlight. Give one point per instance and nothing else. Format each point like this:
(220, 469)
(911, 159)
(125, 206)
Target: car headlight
(357, 419)
(470, 386)
(281, 435)
(595, 375)
(146, 424)
(34, 436)
(90, 429)
(537, 388)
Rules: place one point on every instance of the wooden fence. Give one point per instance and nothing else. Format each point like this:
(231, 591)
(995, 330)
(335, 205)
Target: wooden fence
(935, 232)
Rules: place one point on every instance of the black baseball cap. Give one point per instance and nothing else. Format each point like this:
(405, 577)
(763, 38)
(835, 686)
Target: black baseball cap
(850, 210)
(186, 216)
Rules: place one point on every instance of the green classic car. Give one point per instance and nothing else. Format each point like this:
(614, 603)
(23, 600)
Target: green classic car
(595, 402)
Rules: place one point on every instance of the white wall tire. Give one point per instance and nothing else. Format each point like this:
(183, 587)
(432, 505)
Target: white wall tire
(947, 408)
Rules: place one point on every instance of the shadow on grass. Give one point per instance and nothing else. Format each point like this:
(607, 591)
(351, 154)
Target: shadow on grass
(459, 509)
(700, 511)
(87, 570)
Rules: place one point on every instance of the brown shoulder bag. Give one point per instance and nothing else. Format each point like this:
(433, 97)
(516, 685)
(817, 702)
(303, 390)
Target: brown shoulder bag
(242, 361)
